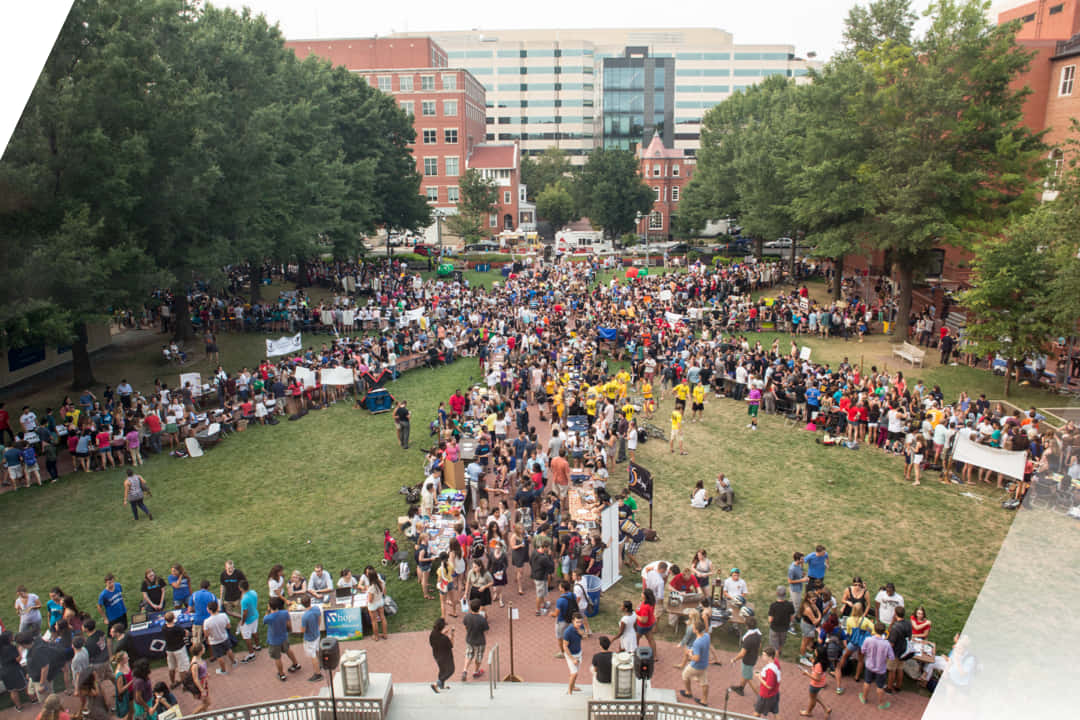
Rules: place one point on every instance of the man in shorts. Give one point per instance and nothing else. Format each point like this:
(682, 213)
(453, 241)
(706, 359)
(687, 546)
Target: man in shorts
(541, 566)
(476, 625)
(571, 649)
(877, 653)
(230, 591)
(277, 636)
(676, 430)
(176, 654)
(699, 664)
(749, 649)
(565, 607)
(249, 620)
(309, 621)
(697, 408)
(768, 701)
(216, 630)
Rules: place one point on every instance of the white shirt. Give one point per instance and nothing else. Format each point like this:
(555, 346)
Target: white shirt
(735, 587)
(887, 605)
(655, 582)
(320, 581)
(216, 628)
(28, 420)
(698, 500)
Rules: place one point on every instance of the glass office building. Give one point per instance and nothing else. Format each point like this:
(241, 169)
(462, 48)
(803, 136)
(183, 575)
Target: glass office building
(638, 99)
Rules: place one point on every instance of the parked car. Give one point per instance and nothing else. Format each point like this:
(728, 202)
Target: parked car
(482, 247)
(427, 250)
(784, 242)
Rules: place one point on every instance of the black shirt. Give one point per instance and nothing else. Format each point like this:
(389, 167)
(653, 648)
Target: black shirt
(475, 627)
(542, 565)
(154, 590)
(781, 612)
(751, 643)
(174, 637)
(401, 414)
(441, 649)
(231, 585)
(42, 655)
(602, 662)
(898, 636)
(97, 647)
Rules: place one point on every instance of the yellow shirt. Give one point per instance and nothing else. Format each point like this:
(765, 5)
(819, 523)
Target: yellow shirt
(590, 406)
(623, 377)
(489, 422)
(682, 390)
(628, 411)
(676, 419)
(646, 390)
(611, 389)
(549, 387)
(699, 394)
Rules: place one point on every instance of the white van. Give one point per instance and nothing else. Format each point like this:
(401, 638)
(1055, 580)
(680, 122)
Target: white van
(582, 242)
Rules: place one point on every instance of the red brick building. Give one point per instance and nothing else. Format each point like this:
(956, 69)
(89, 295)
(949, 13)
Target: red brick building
(500, 164)
(447, 104)
(1045, 19)
(666, 171)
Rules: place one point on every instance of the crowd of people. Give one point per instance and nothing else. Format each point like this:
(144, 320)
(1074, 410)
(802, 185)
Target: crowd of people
(542, 338)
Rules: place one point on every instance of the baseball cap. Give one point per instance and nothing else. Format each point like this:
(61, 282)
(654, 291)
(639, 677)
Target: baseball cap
(734, 570)
(781, 592)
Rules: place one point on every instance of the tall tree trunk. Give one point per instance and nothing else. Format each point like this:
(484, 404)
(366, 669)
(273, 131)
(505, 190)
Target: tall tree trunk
(794, 249)
(907, 283)
(181, 311)
(302, 273)
(1063, 365)
(759, 248)
(837, 276)
(1008, 375)
(256, 282)
(82, 372)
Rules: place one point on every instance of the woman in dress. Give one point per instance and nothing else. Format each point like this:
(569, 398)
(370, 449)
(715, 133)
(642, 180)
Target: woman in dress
(11, 671)
(441, 640)
(854, 593)
(626, 634)
(479, 583)
(123, 680)
(519, 554)
(423, 563)
(703, 569)
(275, 582)
(645, 619)
(498, 566)
(376, 590)
(809, 619)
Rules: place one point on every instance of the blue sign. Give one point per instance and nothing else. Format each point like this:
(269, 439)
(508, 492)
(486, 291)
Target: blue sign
(344, 623)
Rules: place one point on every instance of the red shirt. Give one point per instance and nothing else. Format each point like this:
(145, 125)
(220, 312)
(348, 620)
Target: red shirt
(770, 681)
(153, 422)
(685, 584)
(646, 615)
(4, 419)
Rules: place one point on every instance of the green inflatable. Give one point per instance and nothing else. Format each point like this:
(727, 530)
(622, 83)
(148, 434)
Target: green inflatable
(445, 269)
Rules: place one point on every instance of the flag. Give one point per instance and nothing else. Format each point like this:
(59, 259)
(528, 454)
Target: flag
(641, 482)
(283, 345)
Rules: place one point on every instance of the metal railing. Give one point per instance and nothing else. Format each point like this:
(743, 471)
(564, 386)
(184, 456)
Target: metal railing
(311, 708)
(493, 669)
(631, 710)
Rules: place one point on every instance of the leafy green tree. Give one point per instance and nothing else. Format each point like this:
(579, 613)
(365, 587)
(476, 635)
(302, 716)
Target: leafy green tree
(951, 161)
(550, 168)
(479, 200)
(556, 205)
(610, 192)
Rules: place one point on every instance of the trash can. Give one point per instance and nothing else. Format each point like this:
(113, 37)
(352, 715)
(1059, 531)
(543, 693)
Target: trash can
(591, 583)
(483, 267)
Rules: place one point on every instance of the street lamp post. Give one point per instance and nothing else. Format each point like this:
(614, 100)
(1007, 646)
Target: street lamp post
(644, 236)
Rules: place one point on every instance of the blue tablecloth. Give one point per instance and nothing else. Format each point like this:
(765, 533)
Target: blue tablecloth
(148, 638)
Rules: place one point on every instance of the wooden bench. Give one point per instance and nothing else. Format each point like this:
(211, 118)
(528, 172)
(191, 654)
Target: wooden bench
(911, 353)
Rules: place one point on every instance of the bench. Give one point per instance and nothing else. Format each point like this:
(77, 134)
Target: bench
(911, 353)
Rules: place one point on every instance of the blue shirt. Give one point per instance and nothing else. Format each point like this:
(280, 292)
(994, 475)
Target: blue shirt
(563, 605)
(573, 640)
(113, 602)
(310, 622)
(815, 565)
(700, 648)
(249, 607)
(182, 593)
(277, 627)
(199, 600)
(795, 572)
(813, 396)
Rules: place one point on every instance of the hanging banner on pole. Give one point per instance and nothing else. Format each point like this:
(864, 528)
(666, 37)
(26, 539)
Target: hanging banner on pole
(641, 483)
(283, 345)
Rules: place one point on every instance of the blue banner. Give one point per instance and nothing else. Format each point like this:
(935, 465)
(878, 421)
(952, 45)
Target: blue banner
(607, 333)
(344, 623)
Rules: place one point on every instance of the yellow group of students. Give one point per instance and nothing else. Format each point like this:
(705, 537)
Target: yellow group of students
(614, 389)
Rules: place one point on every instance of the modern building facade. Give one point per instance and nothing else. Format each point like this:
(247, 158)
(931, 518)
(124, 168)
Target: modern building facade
(447, 103)
(546, 88)
(666, 171)
(638, 99)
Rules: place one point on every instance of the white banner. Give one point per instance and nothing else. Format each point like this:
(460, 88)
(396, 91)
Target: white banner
(1006, 462)
(665, 295)
(673, 318)
(305, 376)
(804, 353)
(283, 345)
(337, 376)
(609, 533)
(414, 315)
(196, 382)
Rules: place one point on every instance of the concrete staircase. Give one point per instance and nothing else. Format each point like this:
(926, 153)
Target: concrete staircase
(466, 701)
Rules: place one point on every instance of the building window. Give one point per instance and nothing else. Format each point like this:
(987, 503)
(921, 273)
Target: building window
(656, 191)
(675, 193)
(433, 194)
(428, 108)
(506, 197)
(431, 136)
(449, 108)
(427, 82)
(431, 166)
(452, 166)
(449, 82)
(408, 107)
(1028, 18)
(674, 171)
(384, 83)
(450, 136)
(1057, 162)
(405, 83)
(656, 171)
(1068, 75)
(493, 220)
(1057, 8)
(452, 194)
(656, 221)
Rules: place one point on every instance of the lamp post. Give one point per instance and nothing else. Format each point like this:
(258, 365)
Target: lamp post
(644, 235)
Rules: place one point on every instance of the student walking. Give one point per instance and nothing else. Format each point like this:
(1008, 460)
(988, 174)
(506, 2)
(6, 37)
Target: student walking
(476, 627)
(441, 640)
(818, 676)
(135, 489)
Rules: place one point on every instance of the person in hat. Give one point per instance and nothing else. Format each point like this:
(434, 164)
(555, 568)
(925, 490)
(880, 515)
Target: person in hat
(735, 586)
